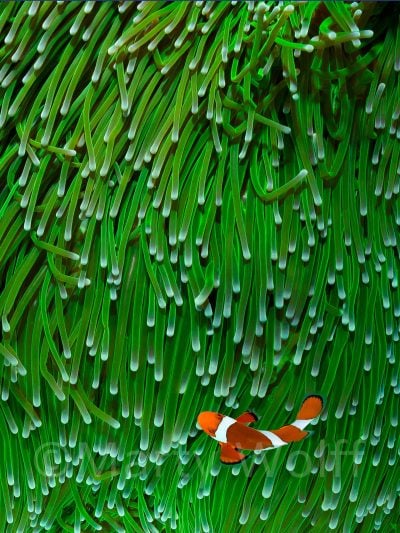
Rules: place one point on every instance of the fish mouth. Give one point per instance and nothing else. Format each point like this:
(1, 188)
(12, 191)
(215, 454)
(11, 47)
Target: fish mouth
(208, 422)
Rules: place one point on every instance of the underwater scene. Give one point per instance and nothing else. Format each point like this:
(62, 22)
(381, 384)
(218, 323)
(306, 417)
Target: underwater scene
(200, 262)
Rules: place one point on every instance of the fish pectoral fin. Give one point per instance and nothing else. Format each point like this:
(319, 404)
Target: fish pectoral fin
(247, 418)
(230, 455)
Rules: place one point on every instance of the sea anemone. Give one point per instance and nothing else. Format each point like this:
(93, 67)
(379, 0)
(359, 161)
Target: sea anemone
(199, 211)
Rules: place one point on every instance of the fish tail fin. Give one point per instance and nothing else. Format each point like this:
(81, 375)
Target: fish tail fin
(294, 432)
(311, 408)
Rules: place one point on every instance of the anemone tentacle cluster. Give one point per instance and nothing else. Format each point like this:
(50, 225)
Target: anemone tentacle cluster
(199, 211)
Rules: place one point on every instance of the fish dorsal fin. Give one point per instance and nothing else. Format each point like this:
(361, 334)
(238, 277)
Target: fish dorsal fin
(247, 418)
(230, 455)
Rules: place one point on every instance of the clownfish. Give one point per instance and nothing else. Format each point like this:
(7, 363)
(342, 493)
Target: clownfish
(234, 434)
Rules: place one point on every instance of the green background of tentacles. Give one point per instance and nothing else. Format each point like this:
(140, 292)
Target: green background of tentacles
(199, 210)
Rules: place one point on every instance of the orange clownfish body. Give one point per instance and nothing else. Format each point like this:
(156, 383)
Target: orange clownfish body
(233, 434)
